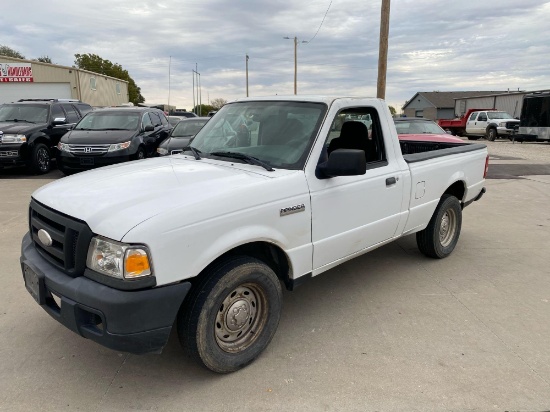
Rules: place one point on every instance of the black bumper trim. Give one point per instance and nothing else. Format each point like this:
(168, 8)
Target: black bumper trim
(130, 321)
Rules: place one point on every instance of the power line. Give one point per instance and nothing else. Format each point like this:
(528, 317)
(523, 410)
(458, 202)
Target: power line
(321, 22)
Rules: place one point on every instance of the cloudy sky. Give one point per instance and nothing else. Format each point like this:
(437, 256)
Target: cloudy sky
(434, 44)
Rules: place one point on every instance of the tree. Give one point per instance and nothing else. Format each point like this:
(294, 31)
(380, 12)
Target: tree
(44, 59)
(96, 64)
(203, 109)
(8, 51)
(392, 110)
(218, 103)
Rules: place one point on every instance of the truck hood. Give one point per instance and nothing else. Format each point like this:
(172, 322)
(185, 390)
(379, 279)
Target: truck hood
(114, 199)
(16, 127)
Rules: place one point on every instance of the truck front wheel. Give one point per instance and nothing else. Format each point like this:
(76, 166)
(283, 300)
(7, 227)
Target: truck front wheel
(441, 235)
(231, 314)
(492, 134)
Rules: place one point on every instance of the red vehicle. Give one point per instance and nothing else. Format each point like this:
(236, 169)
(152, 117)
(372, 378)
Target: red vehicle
(458, 126)
(422, 130)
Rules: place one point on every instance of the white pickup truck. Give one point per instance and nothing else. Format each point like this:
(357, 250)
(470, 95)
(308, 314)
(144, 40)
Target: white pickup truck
(491, 124)
(205, 240)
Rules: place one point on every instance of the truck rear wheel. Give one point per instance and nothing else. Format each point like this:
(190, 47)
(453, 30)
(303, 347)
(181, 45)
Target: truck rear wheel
(441, 235)
(231, 314)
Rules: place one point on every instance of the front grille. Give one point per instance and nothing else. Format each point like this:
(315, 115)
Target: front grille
(512, 125)
(9, 153)
(89, 149)
(70, 238)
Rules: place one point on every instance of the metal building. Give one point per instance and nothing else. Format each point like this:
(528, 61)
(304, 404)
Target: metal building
(510, 102)
(27, 79)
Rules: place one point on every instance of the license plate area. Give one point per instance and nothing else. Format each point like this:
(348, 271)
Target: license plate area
(34, 284)
(87, 161)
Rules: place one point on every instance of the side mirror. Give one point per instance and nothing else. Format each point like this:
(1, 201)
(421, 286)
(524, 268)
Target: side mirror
(343, 162)
(58, 121)
(149, 128)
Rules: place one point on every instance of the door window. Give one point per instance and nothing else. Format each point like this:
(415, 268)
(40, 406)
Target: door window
(146, 120)
(57, 112)
(357, 128)
(482, 117)
(473, 116)
(155, 119)
(72, 114)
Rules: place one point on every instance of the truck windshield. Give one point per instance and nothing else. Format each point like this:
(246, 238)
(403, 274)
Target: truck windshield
(24, 113)
(277, 133)
(109, 121)
(498, 115)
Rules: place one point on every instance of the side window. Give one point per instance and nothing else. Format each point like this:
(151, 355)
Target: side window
(117, 88)
(83, 108)
(163, 119)
(155, 119)
(92, 83)
(358, 128)
(482, 117)
(146, 120)
(72, 114)
(57, 112)
(473, 116)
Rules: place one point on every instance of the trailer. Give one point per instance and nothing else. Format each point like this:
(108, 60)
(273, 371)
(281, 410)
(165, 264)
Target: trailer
(534, 121)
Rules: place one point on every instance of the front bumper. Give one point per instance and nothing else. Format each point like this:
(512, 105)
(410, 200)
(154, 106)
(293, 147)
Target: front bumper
(130, 321)
(11, 155)
(70, 162)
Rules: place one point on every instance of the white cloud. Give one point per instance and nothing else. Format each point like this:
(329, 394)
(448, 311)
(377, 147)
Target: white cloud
(469, 45)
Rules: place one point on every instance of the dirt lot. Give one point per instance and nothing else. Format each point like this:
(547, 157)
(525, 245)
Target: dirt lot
(391, 330)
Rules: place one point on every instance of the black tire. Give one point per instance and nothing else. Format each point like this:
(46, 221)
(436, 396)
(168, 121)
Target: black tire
(249, 290)
(140, 154)
(441, 235)
(492, 134)
(474, 137)
(40, 161)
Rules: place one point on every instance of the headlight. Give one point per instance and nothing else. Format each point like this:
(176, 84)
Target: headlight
(14, 138)
(63, 147)
(162, 151)
(502, 124)
(118, 260)
(119, 146)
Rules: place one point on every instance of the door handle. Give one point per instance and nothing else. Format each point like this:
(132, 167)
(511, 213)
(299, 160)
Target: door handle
(391, 181)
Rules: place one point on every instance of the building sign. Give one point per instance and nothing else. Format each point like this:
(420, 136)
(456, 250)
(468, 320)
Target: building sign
(16, 72)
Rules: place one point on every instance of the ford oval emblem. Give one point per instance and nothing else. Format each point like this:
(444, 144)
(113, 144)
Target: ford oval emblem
(45, 238)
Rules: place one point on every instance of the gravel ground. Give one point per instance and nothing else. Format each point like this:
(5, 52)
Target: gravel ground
(533, 152)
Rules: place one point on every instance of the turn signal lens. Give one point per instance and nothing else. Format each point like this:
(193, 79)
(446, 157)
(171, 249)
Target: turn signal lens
(136, 264)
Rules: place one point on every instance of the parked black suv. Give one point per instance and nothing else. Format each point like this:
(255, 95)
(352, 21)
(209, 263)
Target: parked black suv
(31, 128)
(109, 136)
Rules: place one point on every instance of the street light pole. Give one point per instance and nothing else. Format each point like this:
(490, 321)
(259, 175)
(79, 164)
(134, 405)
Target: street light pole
(295, 65)
(247, 75)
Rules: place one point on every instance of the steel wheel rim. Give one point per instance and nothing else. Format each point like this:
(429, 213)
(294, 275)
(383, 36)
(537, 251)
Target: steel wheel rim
(141, 155)
(43, 159)
(447, 228)
(241, 318)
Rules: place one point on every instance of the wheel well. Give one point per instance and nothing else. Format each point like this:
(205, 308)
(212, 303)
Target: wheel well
(457, 189)
(270, 254)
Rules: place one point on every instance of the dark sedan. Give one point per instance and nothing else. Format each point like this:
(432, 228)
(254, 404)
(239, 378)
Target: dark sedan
(110, 136)
(181, 135)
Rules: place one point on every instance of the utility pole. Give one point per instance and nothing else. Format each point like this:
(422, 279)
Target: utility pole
(383, 50)
(193, 110)
(247, 75)
(295, 62)
(200, 96)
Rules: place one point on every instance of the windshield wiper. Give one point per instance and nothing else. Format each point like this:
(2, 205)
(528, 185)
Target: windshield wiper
(17, 121)
(112, 128)
(245, 157)
(194, 151)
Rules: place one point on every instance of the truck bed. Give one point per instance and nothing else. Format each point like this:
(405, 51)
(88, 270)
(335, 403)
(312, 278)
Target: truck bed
(411, 147)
